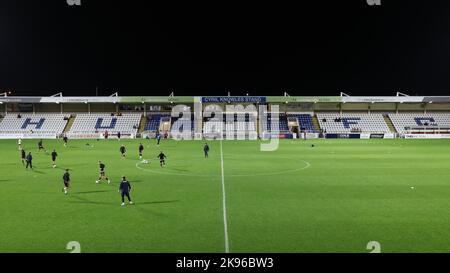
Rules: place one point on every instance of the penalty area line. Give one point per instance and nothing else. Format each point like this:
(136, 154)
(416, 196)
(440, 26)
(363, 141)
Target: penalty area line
(224, 203)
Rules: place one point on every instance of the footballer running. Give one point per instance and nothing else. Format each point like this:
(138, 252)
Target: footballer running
(66, 179)
(162, 158)
(102, 173)
(123, 150)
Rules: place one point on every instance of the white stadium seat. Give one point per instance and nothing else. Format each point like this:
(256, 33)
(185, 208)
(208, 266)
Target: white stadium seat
(99, 123)
(238, 124)
(404, 121)
(15, 123)
(352, 122)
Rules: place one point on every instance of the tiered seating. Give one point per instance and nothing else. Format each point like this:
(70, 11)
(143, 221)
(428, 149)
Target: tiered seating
(270, 124)
(184, 123)
(154, 121)
(354, 122)
(305, 122)
(213, 126)
(404, 121)
(33, 123)
(98, 123)
(243, 124)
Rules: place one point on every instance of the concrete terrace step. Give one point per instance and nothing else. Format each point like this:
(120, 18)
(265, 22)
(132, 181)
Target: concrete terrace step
(389, 123)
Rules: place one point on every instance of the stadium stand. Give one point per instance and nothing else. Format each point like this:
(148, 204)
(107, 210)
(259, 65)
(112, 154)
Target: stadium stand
(154, 121)
(410, 121)
(184, 122)
(127, 123)
(305, 122)
(241, 123)
(270, 124)
(233, 124)
(214, 125)
(15, 123)
(352, 122)
(306, 117)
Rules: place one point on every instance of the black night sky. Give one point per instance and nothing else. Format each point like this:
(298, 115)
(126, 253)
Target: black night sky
(198, 48)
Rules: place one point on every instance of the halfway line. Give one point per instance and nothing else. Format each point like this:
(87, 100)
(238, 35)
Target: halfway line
(224, 203)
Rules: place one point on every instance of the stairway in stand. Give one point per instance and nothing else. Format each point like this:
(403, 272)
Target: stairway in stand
(315, 122)
(69, 124)
(142, 124)
(389, 123)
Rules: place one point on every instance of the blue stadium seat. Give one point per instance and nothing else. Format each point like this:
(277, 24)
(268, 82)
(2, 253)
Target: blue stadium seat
(305, 122)
(153, 121)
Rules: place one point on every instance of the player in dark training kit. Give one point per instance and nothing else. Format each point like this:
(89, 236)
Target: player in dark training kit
(54, 155)
(40, 145)
(102, 173)
(29, 161)
(65, 139)
(124, 189)
(141, 150)
(206, 150)
(23, 156)
(123, 150)
(162, 158)
(66, 179)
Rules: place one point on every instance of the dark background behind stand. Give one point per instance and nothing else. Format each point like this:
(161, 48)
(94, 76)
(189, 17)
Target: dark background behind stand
(210, 48)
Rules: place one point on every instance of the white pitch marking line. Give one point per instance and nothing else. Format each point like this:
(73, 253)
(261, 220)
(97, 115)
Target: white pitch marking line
(224, 204)
(307, 165)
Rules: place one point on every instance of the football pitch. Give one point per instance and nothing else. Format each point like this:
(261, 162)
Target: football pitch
(334, 197)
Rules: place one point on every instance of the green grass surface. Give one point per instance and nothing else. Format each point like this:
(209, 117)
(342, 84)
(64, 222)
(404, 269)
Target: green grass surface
(335, 197)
